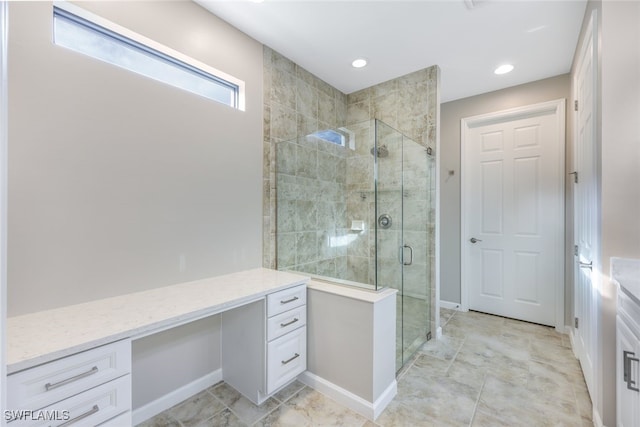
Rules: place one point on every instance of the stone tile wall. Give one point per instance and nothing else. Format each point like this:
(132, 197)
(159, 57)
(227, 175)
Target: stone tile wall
(296, 103)
(409, 105)
(311, 209)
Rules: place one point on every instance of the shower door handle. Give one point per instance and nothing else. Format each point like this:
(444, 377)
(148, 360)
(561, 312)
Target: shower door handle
(410, 253)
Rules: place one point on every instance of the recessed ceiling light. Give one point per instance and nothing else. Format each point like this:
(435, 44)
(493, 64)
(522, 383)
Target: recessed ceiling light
(257, 1)
(504, 69)
(359, 63)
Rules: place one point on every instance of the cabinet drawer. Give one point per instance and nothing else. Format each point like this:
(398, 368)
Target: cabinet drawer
(288, 321)
(89, 408)
(286, 358)
(286, 299)
(52, 382)
(629, 310)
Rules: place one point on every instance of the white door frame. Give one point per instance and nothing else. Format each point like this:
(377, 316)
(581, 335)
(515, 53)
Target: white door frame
(591, 35)
(558, 108)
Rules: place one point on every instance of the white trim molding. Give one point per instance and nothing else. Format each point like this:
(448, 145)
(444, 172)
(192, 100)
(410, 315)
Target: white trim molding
(450, 305)
(371, 410)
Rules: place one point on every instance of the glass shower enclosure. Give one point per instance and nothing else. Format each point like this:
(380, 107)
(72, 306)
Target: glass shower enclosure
(355, 206)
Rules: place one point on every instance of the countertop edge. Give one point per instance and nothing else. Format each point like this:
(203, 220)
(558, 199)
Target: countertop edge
(30, 360)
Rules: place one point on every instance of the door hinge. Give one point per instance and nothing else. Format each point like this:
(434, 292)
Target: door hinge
(575, 105)
(576, 322)
(575, 250)
(575, 176)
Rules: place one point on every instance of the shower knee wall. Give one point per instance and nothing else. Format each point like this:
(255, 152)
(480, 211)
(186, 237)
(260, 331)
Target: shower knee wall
(351, 345)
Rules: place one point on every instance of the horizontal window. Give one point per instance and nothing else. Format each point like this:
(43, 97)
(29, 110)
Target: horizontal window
(101, 39)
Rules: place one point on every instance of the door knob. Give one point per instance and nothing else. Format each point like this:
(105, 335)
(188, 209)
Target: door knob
(474, 240)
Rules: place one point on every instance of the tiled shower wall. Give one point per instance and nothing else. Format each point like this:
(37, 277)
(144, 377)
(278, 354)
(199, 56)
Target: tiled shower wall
(311, 209)
(408, 104)
(296, 103)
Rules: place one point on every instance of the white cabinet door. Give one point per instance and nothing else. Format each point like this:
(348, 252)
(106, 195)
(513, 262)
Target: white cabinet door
(627, 376)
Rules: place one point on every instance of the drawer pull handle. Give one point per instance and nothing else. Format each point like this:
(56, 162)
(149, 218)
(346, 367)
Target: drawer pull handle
(81, 417)
(284, 325)
(289, 300)
(50, 386)
(284, 362)
(627, 371)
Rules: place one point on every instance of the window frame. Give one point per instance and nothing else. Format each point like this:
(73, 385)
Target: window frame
(81, 17)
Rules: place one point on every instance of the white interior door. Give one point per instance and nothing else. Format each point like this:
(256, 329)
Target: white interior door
(585, 213)
(513, 212)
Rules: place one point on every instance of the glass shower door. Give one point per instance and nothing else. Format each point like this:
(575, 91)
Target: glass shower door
(402, 249)
(388, 218)
(415, 248)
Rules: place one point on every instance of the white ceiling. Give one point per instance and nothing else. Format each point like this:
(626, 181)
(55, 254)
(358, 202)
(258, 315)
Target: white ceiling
(398, 37)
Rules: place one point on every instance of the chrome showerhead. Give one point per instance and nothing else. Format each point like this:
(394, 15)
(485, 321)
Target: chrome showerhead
(382, 151)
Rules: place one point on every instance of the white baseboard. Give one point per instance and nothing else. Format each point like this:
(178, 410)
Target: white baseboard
(371, 410)
(450, 305)
(165, 402)
(597, 420)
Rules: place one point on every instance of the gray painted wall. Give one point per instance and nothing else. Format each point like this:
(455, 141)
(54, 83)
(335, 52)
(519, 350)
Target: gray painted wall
(163, 362)
(451, 113)
(114, 178)
(3, 207)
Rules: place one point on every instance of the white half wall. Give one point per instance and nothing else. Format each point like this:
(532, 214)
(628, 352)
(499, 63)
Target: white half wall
(351, 343)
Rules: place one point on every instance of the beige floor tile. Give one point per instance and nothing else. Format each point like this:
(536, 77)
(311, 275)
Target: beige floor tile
(446, 315)
(486, 371)
(247, 411)
(466, 373)
(438, 398)
(161, 420)
(482, 419)
(399, 415)
(197, 409)
(289, 391)
(310, 408)
(445, 348)
(455, 331)
(425, 366)
(583, 402)
(225, 418)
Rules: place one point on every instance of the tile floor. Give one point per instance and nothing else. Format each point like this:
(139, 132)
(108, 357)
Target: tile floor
(486, 371)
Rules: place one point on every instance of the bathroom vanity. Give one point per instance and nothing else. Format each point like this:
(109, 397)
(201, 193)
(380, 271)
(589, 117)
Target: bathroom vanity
(75, 363)
(626, 273)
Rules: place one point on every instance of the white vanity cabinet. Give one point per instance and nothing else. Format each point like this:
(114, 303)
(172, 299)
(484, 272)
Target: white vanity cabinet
(74, 363)
(84, 389)
(264, 344)
(627, 343)
(286, 336)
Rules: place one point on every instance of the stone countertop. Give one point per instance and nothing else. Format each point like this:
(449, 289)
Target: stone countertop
(40, 337)
(626, 272)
